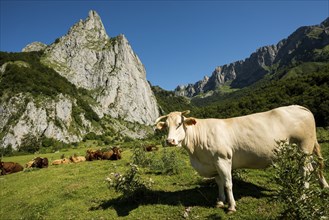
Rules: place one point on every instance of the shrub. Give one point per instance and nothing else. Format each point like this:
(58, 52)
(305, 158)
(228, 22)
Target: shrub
(30, 144)
(299, 202)
(129, 184)
(90, 136)
(168, 163)
(141, 158)
(7, 151)
(323, 134)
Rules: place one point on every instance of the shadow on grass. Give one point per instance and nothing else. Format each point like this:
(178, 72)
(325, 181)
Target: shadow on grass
(203, 196)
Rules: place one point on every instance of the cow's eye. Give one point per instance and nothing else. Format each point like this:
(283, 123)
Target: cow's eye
(179, 124)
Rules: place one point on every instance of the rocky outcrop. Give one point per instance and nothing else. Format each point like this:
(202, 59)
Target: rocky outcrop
(240, 73)
(107, 67)
(192, 89)
(35, 46)
(22, 115)
(299, 46)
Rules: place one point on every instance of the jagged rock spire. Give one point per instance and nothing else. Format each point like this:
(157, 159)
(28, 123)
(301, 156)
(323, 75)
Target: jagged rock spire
(108, 67)
(88, 31)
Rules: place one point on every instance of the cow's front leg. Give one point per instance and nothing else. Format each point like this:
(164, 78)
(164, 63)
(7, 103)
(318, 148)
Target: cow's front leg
(224, 167)
(221, 193)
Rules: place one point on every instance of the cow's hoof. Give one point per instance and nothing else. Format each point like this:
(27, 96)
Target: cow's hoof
(231, 210)
(220, 204)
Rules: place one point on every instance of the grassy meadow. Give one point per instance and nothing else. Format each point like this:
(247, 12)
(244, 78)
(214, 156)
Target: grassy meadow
(80, 191)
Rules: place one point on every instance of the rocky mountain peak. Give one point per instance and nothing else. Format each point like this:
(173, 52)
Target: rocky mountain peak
(107, 67)
(94, 24)
(89, 32)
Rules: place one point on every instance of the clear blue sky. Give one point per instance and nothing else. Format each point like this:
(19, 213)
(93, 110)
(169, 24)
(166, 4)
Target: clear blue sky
(178, 42)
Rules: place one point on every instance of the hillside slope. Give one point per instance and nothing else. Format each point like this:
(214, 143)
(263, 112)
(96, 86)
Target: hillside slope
(306, 84)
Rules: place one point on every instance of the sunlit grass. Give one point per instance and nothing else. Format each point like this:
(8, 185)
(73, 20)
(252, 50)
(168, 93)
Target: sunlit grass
(79, 191)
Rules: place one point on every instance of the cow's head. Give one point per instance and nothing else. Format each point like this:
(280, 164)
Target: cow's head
(177, 124)
(116, 153)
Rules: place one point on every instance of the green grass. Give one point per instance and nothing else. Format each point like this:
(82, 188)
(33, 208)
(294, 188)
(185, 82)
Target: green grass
(79, 191)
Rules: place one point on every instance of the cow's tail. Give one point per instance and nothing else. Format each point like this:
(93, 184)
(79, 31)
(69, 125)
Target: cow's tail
(317, 152)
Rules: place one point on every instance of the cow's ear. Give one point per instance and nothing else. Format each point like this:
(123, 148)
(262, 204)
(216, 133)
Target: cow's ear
(161, 126)
(186, 112)
(190, 121)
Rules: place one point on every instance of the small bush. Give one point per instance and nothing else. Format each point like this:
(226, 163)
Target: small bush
(30, 144)
(298, 201)
(129, 184)
(141, 158)
(168, 163)
(323, 134)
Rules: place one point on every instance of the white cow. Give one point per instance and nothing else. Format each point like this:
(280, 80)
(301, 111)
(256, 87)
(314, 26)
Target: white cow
(216, 146)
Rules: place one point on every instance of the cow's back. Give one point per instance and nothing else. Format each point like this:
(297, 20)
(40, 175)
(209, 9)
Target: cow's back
(10, 167)
(254, 136)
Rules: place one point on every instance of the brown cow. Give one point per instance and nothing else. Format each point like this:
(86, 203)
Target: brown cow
(10, 167)
(40, 162)
(113, 154)
(150, 148)
(88, 155)
(116, 154)
(107, 155)
(37, 162)
(94, 155)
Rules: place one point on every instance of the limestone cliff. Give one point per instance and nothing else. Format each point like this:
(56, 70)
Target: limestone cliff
(107, 67)
(52, 119)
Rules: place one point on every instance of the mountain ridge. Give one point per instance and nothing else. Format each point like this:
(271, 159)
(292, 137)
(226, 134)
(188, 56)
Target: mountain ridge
(296, 47)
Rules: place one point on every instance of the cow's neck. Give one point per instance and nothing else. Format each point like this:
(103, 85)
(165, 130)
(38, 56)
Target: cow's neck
(191, 138)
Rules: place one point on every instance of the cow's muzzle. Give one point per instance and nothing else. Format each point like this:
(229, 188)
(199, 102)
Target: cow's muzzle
(171, 142)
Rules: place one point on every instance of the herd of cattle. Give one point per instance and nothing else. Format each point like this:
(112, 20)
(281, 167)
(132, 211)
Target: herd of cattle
(39, 162)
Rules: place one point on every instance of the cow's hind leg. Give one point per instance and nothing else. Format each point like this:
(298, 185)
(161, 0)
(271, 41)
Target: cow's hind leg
(221, 193)
(317, 152)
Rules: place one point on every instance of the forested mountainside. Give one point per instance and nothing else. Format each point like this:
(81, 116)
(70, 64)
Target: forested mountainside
(306, 84)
